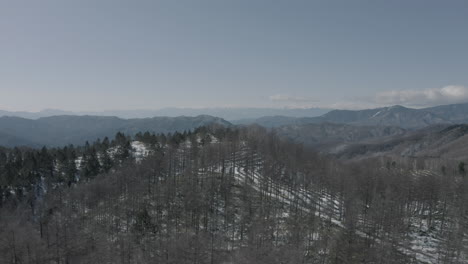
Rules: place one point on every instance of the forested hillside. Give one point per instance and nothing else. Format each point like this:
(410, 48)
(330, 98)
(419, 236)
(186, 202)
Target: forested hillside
(226, 195)
(447, 142)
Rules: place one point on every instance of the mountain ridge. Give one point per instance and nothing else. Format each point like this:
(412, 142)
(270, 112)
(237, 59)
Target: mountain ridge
(397, 115)
(230, 114)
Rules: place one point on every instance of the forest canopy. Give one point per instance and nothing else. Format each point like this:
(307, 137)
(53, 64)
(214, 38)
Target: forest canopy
(226, 195)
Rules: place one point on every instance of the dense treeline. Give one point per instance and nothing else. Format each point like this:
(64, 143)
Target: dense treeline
(221, 195)
(24, 170)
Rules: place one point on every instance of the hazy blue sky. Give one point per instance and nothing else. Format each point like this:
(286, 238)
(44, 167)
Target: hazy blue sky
(96, 55)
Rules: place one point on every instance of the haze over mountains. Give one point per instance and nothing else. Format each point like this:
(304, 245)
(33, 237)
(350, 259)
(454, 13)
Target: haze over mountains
(244, 114)
(63, 130)
(337, 126)
(35, 115)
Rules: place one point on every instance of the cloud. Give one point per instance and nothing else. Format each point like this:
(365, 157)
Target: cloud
(351, 105)
(451, 94)
(291, 99)
(422, 98)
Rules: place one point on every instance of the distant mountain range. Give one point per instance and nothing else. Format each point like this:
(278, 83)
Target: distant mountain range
(244, 114)
(388, 116)
(36, 115)
(397, 116)
(333, 131)
(440, 131)
(63, 130)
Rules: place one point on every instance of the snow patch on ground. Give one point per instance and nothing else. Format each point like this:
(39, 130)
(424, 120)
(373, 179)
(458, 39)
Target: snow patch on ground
(376, 114)
(140, 150)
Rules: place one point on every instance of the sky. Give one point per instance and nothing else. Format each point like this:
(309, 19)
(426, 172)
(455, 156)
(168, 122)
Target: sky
(93, 55)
